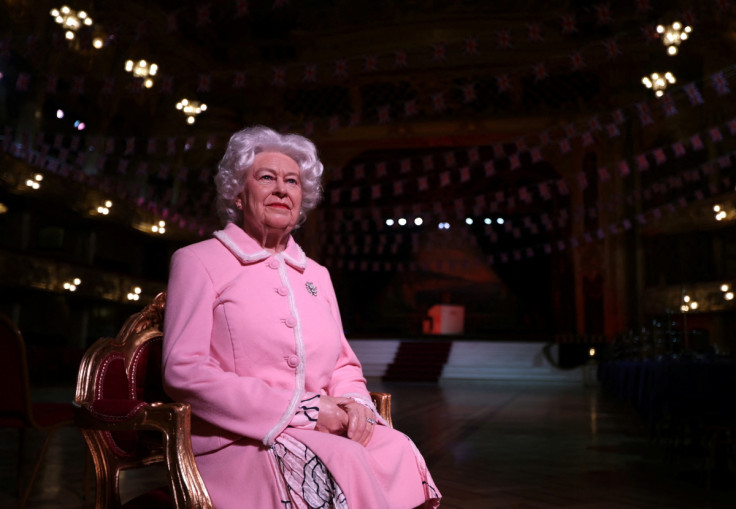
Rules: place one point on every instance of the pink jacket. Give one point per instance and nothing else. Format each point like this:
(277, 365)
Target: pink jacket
(235, 328)
(249, 335)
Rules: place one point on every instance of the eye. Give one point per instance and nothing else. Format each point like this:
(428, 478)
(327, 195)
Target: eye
(292, 181)
(266, 176)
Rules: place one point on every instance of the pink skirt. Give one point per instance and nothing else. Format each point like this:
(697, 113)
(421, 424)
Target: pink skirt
(336, 472)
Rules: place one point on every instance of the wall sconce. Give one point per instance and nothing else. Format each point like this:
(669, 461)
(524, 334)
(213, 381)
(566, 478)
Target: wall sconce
(159, 228)
(105, 208)
(70, 20)
(72, 287)
(720, 213)
(142, 69)
(135, 293)
(191, 109)
(688, 304)
(658, 82)
(726, 291)
(673, 35)
(35, 182)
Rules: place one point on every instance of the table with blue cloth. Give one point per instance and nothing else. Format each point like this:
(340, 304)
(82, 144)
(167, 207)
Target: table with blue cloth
(679, 390)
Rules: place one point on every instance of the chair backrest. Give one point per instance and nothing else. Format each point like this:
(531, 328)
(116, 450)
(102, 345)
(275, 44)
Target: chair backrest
(16, 400)
(120, 376)
(126, 418)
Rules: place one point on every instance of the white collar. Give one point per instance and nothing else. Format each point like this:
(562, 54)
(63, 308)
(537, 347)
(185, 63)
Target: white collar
(248, 250)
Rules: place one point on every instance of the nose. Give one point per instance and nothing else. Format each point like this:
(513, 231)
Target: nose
(280, 188)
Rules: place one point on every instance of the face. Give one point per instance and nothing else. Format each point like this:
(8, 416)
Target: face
(272, 196)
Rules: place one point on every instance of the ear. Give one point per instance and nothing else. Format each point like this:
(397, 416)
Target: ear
(239, 204)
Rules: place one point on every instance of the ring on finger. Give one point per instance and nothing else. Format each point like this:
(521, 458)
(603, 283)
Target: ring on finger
(370, 421)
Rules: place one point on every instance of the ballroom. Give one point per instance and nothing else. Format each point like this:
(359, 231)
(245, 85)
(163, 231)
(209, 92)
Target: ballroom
(528, 215)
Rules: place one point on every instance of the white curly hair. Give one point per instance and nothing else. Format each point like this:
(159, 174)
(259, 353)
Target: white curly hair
(238, 160)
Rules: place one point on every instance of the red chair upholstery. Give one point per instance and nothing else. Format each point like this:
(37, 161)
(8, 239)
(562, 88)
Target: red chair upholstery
(128, 421)
(16, 408)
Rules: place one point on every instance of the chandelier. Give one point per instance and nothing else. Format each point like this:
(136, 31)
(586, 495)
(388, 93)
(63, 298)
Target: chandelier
(142, 69)
(191, 109)
(658, 82)
(70, 20)
(673, 35)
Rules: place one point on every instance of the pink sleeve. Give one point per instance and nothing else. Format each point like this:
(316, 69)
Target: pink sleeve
(306, 416)
(245, 406)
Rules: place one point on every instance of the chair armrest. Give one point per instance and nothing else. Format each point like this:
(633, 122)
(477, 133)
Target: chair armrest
(382, 401)
(173, 420)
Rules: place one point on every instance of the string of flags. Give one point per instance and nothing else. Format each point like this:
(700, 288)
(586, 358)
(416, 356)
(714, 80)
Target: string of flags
(70, 159)
(107, 151)
(344, 252)
(343, 67)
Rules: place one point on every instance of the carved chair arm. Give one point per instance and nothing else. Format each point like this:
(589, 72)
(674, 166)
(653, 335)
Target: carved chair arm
(382, 401)
(173, 421)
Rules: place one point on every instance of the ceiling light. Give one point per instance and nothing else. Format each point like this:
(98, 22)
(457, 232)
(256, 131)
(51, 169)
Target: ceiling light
(70, 20)
(191, 109)
(142, 69)
(658, 82)
(672, 35)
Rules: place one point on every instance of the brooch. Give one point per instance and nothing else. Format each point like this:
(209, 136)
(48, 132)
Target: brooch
(311, 288)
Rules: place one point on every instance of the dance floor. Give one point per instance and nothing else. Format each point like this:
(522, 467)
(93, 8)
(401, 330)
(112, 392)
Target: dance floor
(489, 444)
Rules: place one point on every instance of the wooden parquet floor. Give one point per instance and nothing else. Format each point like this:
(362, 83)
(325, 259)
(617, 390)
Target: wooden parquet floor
(512, 445)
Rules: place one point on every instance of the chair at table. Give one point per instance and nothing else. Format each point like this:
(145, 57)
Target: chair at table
(128, 421)
(16, 408)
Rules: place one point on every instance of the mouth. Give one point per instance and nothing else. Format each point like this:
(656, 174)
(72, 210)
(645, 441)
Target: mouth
(279, 206)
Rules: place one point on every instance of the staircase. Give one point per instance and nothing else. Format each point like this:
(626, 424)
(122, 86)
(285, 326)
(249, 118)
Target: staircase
(419, 361)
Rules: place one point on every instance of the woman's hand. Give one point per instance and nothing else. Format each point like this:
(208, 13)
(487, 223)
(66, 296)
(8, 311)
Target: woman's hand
(332, 418)
(345, 414)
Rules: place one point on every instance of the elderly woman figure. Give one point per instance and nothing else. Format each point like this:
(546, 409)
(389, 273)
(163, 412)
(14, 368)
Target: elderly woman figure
(253, 341)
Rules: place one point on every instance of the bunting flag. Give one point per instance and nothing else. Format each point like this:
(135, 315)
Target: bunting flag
(577, 62)
(401, 59)
(310, 73)
(603, 14)
(370, 63)
(439, 52)
(239, 79)
(205, 82)
(540, 71)
(534, 32)
(470, 45)
(503, 83)
(720, 84)
(341, 68)
(612, 48)
(569, 26)
(650, 33)
(668, 104)
(503, 38)
(52, 82)
(645, 117)
(693, 94)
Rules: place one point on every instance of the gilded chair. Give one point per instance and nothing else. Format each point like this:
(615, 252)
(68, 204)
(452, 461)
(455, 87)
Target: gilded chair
(128, 421)
(17, 410)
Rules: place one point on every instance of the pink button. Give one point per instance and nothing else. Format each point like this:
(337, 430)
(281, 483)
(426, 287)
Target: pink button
(283, 291)
(292, 361)
(290, 322)
(273, 263)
